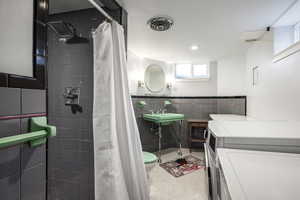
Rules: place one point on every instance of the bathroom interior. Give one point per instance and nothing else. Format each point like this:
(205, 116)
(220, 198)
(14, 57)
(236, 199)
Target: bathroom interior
(149, 100)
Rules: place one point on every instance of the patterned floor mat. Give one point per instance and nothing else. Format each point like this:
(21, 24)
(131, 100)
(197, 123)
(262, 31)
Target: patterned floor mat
(178, 169)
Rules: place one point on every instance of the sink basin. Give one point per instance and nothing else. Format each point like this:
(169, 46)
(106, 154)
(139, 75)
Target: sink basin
(163, 119)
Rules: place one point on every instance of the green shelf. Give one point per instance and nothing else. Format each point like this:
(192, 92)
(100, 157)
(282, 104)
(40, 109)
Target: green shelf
(40, 131)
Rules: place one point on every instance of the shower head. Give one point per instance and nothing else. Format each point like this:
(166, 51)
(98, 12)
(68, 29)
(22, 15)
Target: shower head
(66, 32)
(77, 40)
(62, 29)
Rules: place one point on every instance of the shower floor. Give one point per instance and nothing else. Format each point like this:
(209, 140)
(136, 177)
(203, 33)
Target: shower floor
(164, 186)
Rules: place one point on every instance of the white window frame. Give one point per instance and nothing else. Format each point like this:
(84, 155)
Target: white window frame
(292, 49)
(192, 78)
(297, 32)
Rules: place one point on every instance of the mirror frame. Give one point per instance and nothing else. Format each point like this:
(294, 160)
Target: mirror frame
(162, 89)
(39, 54)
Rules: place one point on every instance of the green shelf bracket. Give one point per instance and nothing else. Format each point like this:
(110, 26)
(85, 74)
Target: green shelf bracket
(38, 124)
(40, 131)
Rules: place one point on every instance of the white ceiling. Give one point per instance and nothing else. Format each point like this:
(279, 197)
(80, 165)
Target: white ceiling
(291, 17)
(215, 25)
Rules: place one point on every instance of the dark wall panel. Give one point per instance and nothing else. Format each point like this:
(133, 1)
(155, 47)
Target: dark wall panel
(22, 168)
(33, 101)
(33, 183)
(10, 157)
(10, 187)
(10, 101)
(33, 165)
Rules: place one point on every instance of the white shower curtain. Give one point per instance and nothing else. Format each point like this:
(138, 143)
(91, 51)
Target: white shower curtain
(119, 168)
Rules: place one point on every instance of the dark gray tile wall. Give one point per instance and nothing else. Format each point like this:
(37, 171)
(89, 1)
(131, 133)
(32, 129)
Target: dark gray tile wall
(22, 169)
(33, 166)
(70, 166)
(191, 108)
(10, 157)
(10, 101)
(231, 106)
(33, 105)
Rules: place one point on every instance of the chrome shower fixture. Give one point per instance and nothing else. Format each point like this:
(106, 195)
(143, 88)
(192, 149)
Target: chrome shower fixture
(160, 23)
(71, 96)
(61, 28)
(67, 32)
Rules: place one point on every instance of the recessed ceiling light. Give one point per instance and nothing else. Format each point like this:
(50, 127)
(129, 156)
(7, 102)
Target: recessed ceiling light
(194, 47)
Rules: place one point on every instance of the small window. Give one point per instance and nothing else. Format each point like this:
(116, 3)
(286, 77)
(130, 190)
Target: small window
(183, 71)
(297, 32)
(200, 71)
(286, 32)
(192, 72)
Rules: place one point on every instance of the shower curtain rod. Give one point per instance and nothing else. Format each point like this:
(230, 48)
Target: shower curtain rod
(101, 10)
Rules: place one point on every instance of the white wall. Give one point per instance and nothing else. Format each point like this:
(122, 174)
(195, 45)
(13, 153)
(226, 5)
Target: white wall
(232, 76)
(135, 70)
(277, 94)
(137, 67)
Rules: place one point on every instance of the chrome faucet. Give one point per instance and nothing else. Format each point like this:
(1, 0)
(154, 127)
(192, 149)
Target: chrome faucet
(160, 111)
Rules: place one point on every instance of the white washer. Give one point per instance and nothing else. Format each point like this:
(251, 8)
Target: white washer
(277, 136)
(230, 117)
(274, 136)
(256, 175)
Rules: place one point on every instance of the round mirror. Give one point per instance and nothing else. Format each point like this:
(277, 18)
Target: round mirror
(155, 79)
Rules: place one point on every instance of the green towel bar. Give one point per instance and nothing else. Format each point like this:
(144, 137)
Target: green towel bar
(39, 133)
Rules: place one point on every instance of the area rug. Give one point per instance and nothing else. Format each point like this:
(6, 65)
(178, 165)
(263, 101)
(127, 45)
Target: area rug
(177, 168)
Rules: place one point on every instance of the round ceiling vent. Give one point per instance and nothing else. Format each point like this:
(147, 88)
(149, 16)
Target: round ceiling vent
(160, 23)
